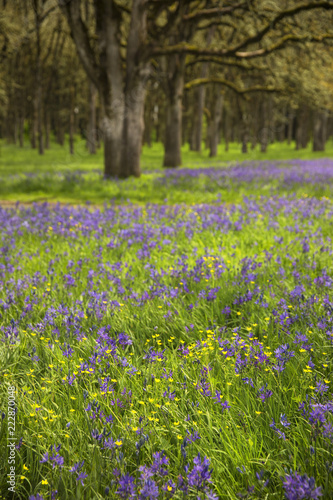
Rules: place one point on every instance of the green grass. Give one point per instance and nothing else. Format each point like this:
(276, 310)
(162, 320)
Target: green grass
(164, 276)
(38, 258)
(17, 164)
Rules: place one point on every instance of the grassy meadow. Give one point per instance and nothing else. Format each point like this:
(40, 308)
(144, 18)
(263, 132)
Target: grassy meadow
(58, 176)
(173, 339)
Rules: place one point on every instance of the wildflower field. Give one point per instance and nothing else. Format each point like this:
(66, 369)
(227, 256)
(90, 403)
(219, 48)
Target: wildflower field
(172, 350)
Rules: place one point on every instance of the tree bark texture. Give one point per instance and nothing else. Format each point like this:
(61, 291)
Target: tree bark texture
(320, 119)
(122, 95)
(92, 132)
(173, 126)
(215, 122)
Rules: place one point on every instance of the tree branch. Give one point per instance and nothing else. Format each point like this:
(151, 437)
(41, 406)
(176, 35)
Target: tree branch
(232, 86)
(271, 25)
(80, 36)
(280, 44)
(217, 11)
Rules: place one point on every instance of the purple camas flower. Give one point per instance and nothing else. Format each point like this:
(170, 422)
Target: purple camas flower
(297, 487)
(191, 438)
(149, 490)
(67, 351)
(204, 387)
(45, 458)
(200, 474)
(57, 460)
(126, 487)
(321, 387)
(277, 430)
(264, 394)
(283, 420)
(81, 476)
(146, 472)
(248, 380)
(76, 467)
(217, 397)
(160, 461)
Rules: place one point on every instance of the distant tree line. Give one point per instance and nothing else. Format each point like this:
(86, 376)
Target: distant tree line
(128, 72)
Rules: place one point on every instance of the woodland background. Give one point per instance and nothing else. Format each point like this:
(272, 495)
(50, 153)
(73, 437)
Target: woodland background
(197, 71)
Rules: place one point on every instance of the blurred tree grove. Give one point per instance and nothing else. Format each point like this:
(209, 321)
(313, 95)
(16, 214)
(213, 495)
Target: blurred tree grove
(127, 72)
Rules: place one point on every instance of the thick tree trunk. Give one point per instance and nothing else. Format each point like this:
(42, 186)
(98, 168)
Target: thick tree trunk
(122, 99)
(173, 128)
(148, 124)
(173, 132)
(133, 125)
(319, 130)
(199, 104)
(244, 140)
(215, 122)
(255, 124)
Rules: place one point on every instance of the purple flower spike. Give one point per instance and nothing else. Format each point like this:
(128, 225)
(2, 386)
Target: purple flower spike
(299, 487)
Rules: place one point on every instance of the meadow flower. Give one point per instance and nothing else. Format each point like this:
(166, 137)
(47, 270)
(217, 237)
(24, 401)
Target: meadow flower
(298, 487)
(149, 489)
(126, 487)
(81, 476)
(200, 474)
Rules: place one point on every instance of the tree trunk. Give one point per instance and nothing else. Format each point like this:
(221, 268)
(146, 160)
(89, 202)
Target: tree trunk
(199, 104)
(134, 123)
(92, 132)
(122, 99)
(16, 128)
(226, 121)
(173, 128)
(148, 124)
(72, 119)
(21, 131)
(33, 127)
(291, 118)
(215, 122)
(299, 125)
(263, 135)
(39, 119)
(47, 130)
(173, 131)
(71, 126)
(305, 128)
(319, 130)
(38, 78)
